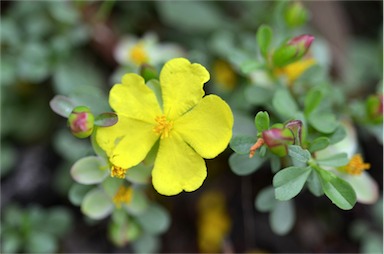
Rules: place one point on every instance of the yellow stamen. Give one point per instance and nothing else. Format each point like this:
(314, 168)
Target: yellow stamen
(138, 55)
(123, 195)
(118, 172)
(163, 127)
(356, 165)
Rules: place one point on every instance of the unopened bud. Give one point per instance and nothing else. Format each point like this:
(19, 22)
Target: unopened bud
(296, 15)
(81, 122)
(296, 128)
(277, 140)
(293, 50)
(148, 72)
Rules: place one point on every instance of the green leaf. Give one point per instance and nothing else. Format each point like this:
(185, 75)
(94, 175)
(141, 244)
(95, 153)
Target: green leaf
(242, 144)
(111, 185)
(241, 164)
(275, 163)
(258, 95)
(61, 218)
(40, 242)
(147, 243)
(323, 122)
(337, 160)
(11, 242)
(77, 193)
(289, 182)
(262, 121)
(338, 135)
(314, 184)
(284, 55)
(62, 105)
(90, 170)
(97, 204)
(298, 155)
(190, 16)
(282, 218)
(284, 103)
(250, 66)
(155, 219)
(138, 204)
(337, 190)
(265, 201)
(124, 231)
(318, 144)
(139, 174)
(106, 119)
(264, 38)
(312, 100)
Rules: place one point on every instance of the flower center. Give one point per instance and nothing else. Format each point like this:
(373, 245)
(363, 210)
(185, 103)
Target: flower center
(138, 55)
(123, 195)
(163, 127)
(355, 166)
(118, 172)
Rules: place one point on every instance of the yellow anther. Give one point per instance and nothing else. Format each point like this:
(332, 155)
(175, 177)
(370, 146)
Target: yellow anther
(118, 172)
(138, 55)
(123, 195)
(356, 165)
(163, 127)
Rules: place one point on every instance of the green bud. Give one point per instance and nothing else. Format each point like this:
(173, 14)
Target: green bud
(81, 122)
(296, 15)
(374, 108)
(277, 140)
(296, 127)
(148, 72)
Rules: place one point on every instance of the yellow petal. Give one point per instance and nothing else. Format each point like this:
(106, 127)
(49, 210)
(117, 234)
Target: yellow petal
(182, 86)
(134, 99)
(177, 167)
(207, 128)
(128, 142)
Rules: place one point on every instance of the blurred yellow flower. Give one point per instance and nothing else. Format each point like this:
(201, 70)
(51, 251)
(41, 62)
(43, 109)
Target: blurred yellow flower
(123, 195)
(188, 126)
(224, 74)
(213, 222)
(356, 165)
(294, 70)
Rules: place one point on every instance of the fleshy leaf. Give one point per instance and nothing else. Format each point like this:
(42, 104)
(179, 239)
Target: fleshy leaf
(312, 100)
(96, 204)
(318, 144)
(155, 219)
(89, 170)
(265, 201)
(242, 144)
(282, 217)
(139, 174)
(336, 160)
(106, 119)
(284, 103)
(264, 38)
(241, 164)
(138, 204)
(314, 184)
(337, 190)
(62, 105)
(289, 182)
(262, 121)
(323, 122)
(299, 155)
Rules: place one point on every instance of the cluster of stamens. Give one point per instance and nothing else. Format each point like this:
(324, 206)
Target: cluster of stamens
(163, 127)
(123, 195)
(356, 165)
(118, 172)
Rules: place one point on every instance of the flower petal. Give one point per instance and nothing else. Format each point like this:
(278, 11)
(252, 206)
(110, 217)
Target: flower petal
(127, 142)
(366, 188)
(182, 86)
(177, 167)
(134, 99)
(207, 127)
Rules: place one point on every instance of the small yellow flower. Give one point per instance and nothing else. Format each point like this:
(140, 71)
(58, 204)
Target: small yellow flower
(294, 70)
(138, 54)
(213, 222)
(224, 74)
(188, 126)
(356, 166)
(122, 196)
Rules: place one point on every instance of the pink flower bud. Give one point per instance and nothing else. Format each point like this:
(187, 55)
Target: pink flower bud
(278, 140)
(81, 122)
(302, 42)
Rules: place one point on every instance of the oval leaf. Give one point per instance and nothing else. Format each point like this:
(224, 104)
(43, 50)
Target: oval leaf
(336, 160)
(289, 182)
(155, 219)
(265, 200)
(89, 170)
(282, 217)
(242, 144)
(264, 38)
(243, 165)
(138, 204)
(323, 122)
(262, 121)
(337, 190)
(319, 144)
(106, 119)
(62, 105)
(284, 103)
(96, 204)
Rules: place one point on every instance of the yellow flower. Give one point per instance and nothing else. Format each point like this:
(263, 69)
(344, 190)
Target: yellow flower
(224, 74)
(356, 165)
(122, 196)
(188, 126)
(294, 70)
